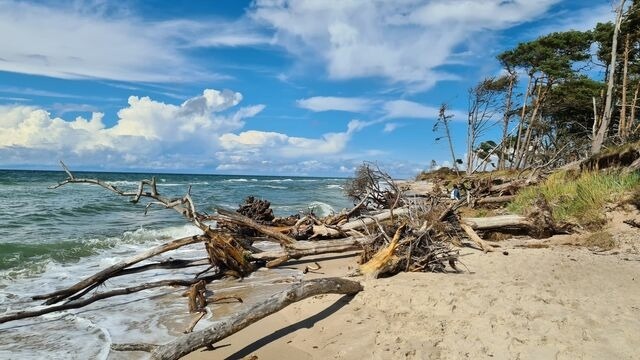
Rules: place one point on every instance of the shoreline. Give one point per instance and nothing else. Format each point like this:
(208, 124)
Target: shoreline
(561, 302)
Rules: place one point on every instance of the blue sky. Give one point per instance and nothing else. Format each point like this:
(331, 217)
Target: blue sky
(309, 87)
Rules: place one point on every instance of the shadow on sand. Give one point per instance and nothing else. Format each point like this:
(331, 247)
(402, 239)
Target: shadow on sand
(302, 324)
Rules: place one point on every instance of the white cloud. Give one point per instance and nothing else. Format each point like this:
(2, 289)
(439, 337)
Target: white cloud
(148, 133)
(581, 20)
(96, 41)
(401, 41)
(409, 109)
(260, 144)
(327, 103)
(391, 127)
(397, 109)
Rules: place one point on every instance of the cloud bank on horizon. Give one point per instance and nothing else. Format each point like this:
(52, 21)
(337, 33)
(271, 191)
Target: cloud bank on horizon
(330, 83)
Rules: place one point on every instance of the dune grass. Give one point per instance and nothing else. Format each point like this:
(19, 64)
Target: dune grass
(579, 198)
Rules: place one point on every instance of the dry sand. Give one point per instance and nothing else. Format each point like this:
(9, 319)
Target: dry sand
(552, 303)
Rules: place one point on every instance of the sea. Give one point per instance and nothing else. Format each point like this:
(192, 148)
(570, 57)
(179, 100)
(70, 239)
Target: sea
(52, 238)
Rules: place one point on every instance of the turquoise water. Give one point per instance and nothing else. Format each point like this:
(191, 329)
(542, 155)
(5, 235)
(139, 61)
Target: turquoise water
(52, 238)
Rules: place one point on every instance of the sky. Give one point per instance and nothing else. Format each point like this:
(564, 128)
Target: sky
(264, 87)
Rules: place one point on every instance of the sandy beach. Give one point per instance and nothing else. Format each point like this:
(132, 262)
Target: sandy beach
(560, 302)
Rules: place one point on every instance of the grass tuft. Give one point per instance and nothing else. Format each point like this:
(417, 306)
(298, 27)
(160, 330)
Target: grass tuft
(579, 198)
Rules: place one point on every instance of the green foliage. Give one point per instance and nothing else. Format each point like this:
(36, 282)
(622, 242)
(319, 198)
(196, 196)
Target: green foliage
(578, 199)
(602, 36)
(552, 55)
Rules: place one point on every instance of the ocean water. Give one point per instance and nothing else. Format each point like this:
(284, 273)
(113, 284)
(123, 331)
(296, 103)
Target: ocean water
(49, 239)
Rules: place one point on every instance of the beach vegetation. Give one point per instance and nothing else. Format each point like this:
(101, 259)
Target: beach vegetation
(579, 198)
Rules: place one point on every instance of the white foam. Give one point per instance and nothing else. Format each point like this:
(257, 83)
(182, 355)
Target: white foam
(275, 187)
(321, 209)
(279, 180)
(334, 186)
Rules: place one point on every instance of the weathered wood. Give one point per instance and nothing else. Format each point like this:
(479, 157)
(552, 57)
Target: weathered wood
(385, 256)
(495, 199)
(245, 317)
(366, 221)
(310, 248)
(237, 219)
(104, 274)
(475, 238)
(134, 347)
(497, 222)
(511, 186)
(326, 232)
(184, 205)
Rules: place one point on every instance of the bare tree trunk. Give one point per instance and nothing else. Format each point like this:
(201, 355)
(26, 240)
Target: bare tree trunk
(497, 222)
(223, 328)
(506, 118)
(622, 126)
(596, 124)
(608, 105)
(470, 141)
(527, 139)
(634, 103)
(453, 155)
(522, 115)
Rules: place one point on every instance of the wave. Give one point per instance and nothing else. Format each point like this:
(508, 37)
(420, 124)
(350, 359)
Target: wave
(275, 187)
(278, 180)
(321, 209)
(334, 186)
(32, 256)
(237, 180)
(123, 183)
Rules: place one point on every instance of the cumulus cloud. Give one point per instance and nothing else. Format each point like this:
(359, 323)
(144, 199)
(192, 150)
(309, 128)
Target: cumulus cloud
(146, 133)
(260, 144)
(327, 103)
(401, 41)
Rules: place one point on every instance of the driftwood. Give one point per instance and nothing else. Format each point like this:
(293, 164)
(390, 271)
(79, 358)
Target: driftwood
(369, 220)
(112, 270)
(384, 258)
(238, 219)
(310, 248)
(74, 304)
(223, 328)
(476, 238)
(497, 222)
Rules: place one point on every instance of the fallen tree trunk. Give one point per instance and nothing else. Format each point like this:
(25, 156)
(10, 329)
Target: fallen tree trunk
(103, 275)
(238, 219)
(497, 222)
(476, 238)
(309, 248)
(223, 328)
(495, 199)
(365, 221)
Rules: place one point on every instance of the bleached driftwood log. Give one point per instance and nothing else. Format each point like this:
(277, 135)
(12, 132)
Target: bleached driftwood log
(310, 248)
(476, 238)
(223, 328)
(365, 221)
(495, 199)
(497, 222)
